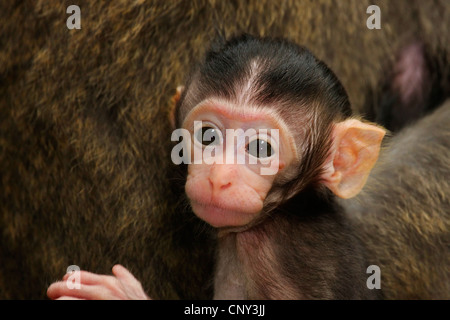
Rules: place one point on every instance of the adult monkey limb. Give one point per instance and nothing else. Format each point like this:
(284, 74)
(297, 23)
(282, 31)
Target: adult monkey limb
(280, 235)
(403, 214)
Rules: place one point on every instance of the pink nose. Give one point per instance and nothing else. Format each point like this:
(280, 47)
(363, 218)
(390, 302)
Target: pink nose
(219, 184)
(222, 176)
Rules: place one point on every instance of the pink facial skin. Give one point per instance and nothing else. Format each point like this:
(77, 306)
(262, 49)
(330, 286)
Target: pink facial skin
(226, 194)
(231, 195)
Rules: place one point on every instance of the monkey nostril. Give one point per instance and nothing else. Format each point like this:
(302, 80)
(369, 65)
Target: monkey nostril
(217, 185)
(225, 186)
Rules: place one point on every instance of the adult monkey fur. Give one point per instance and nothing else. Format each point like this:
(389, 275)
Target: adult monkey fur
(406, 202)
(405, 220)
(84, 132)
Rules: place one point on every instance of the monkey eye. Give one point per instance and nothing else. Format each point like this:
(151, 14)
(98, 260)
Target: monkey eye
(208, 135)
(260, 148)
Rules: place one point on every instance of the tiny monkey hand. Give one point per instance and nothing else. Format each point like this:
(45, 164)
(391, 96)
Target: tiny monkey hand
(121, 286)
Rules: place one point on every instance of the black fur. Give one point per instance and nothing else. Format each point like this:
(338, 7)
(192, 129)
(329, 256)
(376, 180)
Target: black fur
(290, 75)
(325, 250)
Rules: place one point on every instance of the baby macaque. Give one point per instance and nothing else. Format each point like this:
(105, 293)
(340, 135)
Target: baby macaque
(270, 142)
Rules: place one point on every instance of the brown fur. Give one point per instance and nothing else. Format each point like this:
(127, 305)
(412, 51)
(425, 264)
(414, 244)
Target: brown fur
(85, 175)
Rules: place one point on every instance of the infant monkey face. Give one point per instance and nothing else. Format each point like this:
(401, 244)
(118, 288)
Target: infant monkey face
(236, 158)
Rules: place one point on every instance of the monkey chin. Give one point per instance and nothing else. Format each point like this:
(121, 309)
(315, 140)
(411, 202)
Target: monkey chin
(220, 217)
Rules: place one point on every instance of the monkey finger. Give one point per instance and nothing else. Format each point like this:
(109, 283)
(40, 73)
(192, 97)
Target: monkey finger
(68, 298)
(89, 278)
(123, 274)
(60, 289)
(88, 292)
(131, 286)
(57, 290)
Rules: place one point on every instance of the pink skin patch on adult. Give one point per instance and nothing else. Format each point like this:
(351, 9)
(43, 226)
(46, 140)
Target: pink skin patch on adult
(410, 73)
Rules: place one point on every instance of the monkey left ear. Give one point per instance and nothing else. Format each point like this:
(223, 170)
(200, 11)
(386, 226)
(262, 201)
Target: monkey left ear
(355, 149)
(175, 99)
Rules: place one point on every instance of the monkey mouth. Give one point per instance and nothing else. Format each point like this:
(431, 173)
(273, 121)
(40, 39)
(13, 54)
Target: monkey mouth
(216, 207)
(219, 216)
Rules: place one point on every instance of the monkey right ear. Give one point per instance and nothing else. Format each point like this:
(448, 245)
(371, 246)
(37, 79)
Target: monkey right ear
(174, 102)
(355, 149)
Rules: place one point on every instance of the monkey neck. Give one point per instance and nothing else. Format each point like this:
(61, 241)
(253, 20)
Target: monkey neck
(248, 265)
